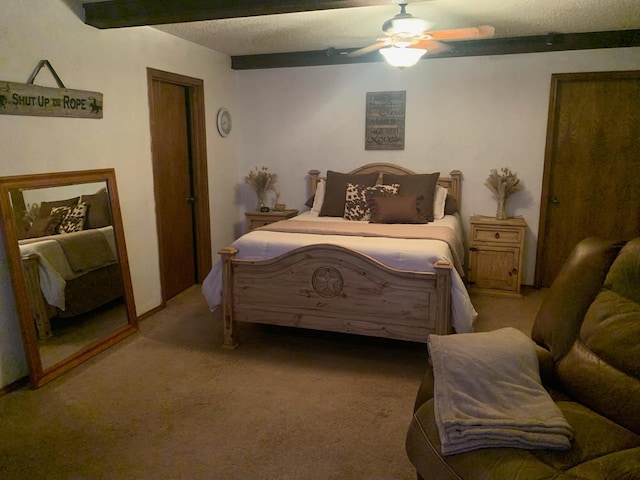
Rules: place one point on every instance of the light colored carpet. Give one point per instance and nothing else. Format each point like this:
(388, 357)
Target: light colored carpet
(169, 403)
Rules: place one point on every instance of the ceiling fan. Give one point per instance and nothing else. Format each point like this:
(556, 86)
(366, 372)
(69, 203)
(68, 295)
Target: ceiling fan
(407, 39)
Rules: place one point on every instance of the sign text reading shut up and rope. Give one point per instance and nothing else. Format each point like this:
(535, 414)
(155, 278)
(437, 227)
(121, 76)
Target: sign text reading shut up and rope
(29, 99)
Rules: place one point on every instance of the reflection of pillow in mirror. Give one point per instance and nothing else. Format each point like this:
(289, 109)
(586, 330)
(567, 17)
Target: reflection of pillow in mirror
(73, 221)
(42, 227)
(45, 207)
(57, 216)
(98, 211)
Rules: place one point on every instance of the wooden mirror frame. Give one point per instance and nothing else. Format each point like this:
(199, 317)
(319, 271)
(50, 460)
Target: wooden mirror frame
(37, 374)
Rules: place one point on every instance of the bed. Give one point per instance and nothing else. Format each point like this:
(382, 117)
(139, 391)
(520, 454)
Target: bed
(70, 274)
(324, 272)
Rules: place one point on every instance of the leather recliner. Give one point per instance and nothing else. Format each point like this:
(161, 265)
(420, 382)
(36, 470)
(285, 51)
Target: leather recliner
(587, 333)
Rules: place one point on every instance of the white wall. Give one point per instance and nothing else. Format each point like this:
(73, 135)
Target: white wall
(113, 62)
(471, 114)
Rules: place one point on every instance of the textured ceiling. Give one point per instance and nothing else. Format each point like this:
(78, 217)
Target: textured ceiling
(360, 26)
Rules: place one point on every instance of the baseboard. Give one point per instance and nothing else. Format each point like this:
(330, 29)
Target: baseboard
(20, 383)
(146, 315)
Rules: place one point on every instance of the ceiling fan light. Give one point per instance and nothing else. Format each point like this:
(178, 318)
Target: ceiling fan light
(410, 26)
(402, 57)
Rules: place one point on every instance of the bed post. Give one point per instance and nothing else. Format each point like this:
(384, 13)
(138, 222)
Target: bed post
(34, 294)
(456, 188)
(230, 328)
(314, 177)
(443, 298)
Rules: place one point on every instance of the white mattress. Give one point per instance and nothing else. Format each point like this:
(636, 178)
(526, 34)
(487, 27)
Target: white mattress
(404, 254)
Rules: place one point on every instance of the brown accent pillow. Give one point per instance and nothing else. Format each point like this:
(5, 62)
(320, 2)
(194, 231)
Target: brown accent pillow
(98, 211)
(396, 209)
(45, 207)
(450, 205)
(420, 184)
(43, 226)
(336, 191)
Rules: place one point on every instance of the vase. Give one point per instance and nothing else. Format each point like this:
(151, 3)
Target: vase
(261, 201)
(501, 214)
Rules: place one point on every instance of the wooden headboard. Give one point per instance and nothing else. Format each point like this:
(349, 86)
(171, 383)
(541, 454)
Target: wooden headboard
(451, 183)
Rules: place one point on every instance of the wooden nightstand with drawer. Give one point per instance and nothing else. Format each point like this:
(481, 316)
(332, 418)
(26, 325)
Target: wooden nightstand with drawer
(260, 219)
(495, 255)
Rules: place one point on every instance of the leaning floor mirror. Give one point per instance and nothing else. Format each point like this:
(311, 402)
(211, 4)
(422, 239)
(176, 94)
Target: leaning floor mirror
(65, 247)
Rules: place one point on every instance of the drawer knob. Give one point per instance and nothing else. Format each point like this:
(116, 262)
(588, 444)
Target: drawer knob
(513, 272)
(497, 235)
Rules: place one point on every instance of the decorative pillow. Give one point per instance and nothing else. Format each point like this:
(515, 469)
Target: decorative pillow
(45, 207)
(98, 210)
(396, 209)
(42, 227)
(73, 221)
(318, 198)
(57, 216)
(336, 191)
(310, 200)
(420, 184)
(439, 199)
(356, 207)
(450, 205)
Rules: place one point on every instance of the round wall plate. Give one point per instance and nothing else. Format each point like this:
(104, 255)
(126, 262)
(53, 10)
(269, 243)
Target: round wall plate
(224, 122)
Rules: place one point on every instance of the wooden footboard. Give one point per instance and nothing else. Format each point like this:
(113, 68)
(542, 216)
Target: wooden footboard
(328, 287)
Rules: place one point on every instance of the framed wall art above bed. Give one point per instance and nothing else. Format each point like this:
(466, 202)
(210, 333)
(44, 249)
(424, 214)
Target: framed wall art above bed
(395, 273)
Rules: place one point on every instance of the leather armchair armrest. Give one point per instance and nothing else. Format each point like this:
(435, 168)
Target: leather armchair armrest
(425, 392)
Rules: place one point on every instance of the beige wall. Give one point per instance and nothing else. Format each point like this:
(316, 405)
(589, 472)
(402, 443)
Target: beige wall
(113, 62)
(472, 114)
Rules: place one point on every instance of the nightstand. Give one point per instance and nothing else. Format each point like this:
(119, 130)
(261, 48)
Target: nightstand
(257, 219)
(495, 255)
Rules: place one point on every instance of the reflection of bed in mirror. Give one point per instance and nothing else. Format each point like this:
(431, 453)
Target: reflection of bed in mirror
(70, 274)
(69, 254)
(69, 268)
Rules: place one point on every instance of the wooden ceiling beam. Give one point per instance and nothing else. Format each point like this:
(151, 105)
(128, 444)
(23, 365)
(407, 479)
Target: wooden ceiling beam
(553, 42)
(135, 13)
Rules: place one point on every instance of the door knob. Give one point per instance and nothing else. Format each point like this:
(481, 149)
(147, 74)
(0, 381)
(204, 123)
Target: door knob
(554, 200)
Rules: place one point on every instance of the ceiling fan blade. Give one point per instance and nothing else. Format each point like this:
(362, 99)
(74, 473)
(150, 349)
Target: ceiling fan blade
(369, 49)
(484, 31)
(431, 46)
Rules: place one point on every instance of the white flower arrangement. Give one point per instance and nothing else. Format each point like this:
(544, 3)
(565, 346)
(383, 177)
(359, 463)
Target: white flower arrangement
(262, 181)
(503, 185)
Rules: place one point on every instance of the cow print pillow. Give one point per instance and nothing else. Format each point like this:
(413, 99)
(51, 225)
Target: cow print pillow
(356, 206)
(73, 221)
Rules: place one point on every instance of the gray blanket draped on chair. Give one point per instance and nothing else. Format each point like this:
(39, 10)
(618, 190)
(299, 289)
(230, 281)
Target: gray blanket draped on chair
(488, 393)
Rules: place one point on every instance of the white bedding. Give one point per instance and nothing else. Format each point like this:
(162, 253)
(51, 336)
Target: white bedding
(404, 254)
(53, 267)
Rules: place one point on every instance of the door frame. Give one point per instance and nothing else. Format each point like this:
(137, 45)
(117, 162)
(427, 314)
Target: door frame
(198, 140)
(550, 148)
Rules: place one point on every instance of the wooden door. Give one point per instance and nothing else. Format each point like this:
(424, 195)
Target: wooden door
(591, 183)
(179, 169)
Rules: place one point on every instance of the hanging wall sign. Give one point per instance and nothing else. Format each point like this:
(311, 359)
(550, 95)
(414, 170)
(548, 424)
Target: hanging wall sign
(385, 120)
(30, 99)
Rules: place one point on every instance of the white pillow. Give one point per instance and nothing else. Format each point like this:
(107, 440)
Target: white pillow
(439, 199)
(319, 196)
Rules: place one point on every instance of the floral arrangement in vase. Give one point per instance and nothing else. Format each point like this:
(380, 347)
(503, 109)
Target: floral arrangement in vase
(503, 185)
(262, 181)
